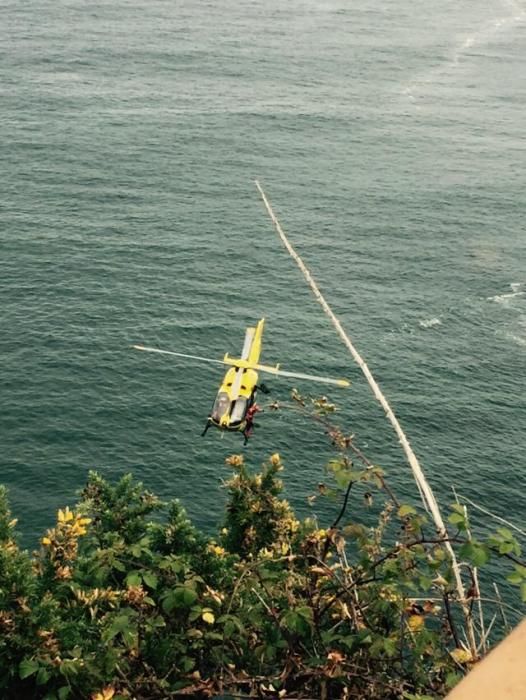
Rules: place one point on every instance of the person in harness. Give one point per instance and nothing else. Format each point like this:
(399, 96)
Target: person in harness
(249, 421)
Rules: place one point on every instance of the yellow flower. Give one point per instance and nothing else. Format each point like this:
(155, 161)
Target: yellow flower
(415, 622)
(234, 460)
(64, 516)
(462, 656)
(77, 529)
(275, 459)
(208, 617)
(215, 549)
(105, 694)
(46, 541)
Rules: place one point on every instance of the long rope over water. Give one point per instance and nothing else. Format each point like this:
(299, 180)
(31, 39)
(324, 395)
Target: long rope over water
(426, 493)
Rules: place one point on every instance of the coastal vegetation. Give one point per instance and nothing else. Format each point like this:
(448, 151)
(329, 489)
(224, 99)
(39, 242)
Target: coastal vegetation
(126, 598)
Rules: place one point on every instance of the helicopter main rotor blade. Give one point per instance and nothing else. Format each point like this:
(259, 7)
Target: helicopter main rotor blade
(299, 375)
(179, 354)
(259, 368)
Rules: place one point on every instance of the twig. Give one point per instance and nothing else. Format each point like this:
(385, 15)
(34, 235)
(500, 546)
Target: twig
(501, 607)
(492, 515)
(344, 506)
(475, 585)
(452, 627)
(483, 643)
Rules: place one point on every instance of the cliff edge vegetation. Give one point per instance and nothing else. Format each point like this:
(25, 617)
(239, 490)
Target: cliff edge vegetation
(125, 598)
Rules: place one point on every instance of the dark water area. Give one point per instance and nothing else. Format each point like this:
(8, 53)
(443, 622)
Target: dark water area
(390, 140)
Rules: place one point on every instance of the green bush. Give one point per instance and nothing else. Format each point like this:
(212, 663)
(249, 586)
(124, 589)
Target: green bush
(116, 604)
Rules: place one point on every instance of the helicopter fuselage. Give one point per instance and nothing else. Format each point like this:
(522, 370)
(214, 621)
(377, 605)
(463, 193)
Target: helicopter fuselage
(236, 395)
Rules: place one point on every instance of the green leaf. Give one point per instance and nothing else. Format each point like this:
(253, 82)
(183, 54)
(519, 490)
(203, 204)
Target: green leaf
(150, 580)
(505, 533)
(69, 667)
(475, 553)
(342, 479)
(195, 613)
(120, 625)
(518, 576)
(180, 597)
(390, 647)
(133, 578)
(425, 582)
(187, 663)
(130, 636)
(305, 612)
(156, 621)
(523, 591)
(185, 596)
(406, 510)
(505, 542)
(64, 692)
(329, 638)
(43, 676)
(458, 508)
(452, 678)
(229, 628)
(355, 531)
(296, 621)
(27, 668)
(458, 520)
(231, 625)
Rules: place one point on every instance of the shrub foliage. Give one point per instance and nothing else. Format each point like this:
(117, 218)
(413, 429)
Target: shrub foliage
(117, 603)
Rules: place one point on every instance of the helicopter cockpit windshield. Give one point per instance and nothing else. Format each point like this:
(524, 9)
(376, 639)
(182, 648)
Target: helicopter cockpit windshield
(220, 407)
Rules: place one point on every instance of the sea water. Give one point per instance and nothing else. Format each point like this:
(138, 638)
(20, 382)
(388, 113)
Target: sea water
(389, 138)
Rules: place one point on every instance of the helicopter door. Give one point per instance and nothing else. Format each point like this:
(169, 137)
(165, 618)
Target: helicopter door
(239, 410)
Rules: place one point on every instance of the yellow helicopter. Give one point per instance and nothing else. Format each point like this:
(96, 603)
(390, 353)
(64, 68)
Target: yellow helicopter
(235, 403)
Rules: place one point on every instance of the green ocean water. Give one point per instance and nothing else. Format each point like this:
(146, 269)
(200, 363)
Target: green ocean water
(390, 140)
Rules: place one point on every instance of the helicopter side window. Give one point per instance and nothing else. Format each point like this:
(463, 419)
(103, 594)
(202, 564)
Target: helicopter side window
(220, 407)
(239, 410)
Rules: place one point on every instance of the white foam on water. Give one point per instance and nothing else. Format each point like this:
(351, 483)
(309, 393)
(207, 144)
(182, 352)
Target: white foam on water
(489, 30)
(502, 298)
(516, 291)
(517, 339)
(481, 36)
(430, 322)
